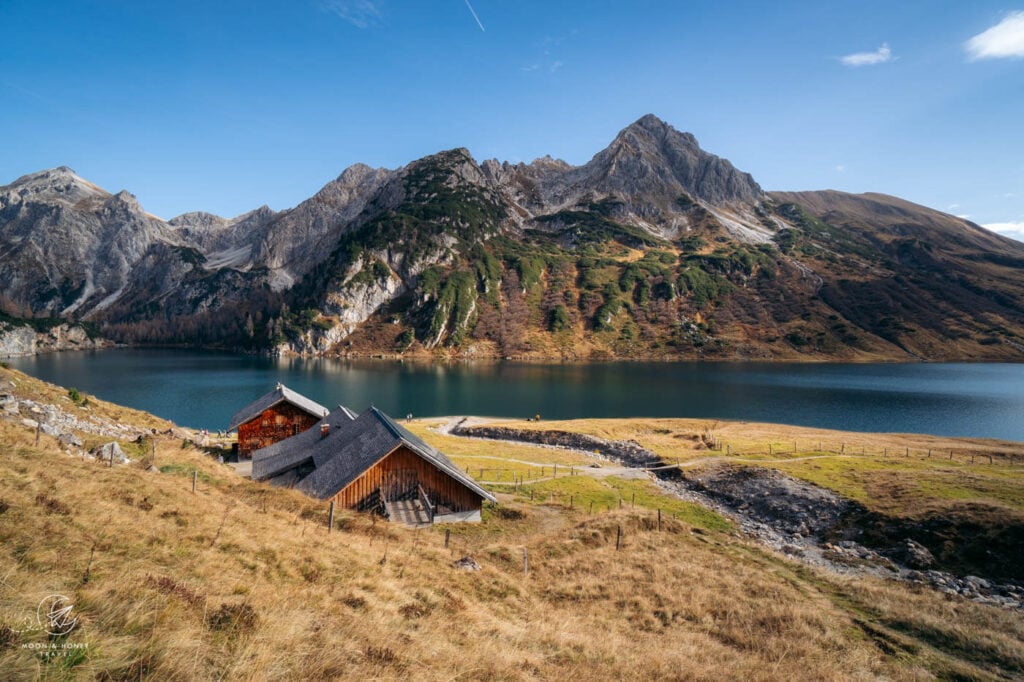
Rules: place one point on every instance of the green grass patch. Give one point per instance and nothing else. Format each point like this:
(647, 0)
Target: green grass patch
(607, 494)
(186, 470)
(905, 486)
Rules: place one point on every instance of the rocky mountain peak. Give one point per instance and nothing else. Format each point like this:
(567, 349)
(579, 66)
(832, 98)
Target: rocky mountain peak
(59, 184)
(354, 174)
(197, 219)
(459, 162)
(650, 156)
(548, 162)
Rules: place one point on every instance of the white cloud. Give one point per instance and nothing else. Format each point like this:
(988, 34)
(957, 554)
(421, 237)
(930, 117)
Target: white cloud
(840, 168)
(879, 56)
(1011, 230)
(1004, 40)
(359, 13)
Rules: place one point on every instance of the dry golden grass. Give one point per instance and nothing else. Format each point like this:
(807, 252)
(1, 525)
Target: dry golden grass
(243, 581)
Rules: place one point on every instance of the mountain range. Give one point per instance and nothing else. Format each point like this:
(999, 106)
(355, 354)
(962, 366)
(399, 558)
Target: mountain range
(655, 248)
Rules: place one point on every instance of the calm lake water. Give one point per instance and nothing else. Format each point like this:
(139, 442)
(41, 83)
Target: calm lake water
(203, 389)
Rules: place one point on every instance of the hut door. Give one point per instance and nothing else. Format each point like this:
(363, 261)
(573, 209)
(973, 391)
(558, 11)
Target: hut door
(399, 484)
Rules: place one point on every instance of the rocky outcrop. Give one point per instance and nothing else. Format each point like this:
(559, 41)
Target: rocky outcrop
(20, 340)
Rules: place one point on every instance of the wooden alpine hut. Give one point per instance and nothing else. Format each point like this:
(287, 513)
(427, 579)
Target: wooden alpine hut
(370, 462)
(271, 418)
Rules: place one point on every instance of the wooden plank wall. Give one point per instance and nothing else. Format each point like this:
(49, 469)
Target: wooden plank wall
(398, 467)
(276, 423)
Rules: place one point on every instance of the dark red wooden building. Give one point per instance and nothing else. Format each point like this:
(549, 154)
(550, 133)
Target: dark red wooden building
(278, 415)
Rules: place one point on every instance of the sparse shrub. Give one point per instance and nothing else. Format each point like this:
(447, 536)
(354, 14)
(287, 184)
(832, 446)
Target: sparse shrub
(233, 617)
(75, 395)
(420, 607)
(354, 602)
(53, 505)
(168, 585)
(381, 655)
(405, 339)
(560, 319)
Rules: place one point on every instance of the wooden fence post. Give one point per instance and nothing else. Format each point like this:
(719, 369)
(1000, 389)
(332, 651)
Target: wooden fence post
(447, 535)
(526, 562)
(632, 503)
(618, 538)
(591, 507)
(570, 502)
(330, 518)
(659, 519)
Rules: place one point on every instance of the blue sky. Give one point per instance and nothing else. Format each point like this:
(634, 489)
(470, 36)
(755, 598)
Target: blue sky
(223, 106)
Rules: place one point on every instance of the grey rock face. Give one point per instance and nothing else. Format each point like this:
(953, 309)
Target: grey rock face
(296, 240)
(67, 246)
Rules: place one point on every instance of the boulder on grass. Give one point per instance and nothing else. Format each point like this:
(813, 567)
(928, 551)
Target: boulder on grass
(104, 453)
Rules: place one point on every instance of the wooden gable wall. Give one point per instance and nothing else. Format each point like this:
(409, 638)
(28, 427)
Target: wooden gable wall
(400, 466)
(273, 425)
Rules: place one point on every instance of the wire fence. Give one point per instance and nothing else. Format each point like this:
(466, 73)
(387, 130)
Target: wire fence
(517, 476)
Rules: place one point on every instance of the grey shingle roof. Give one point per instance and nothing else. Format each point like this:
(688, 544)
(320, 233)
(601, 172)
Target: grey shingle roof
(292, 452)
(279, 394)
(351, 447)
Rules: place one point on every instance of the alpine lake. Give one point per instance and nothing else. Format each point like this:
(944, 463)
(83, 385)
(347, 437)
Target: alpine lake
(203, 389)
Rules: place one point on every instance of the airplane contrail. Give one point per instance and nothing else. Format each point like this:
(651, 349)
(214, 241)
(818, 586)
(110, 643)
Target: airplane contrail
(473, 12)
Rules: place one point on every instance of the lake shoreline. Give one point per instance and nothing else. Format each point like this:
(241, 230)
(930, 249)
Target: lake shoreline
(204, 388)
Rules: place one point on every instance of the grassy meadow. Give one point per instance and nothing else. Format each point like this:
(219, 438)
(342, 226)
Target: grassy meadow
(243, 581)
